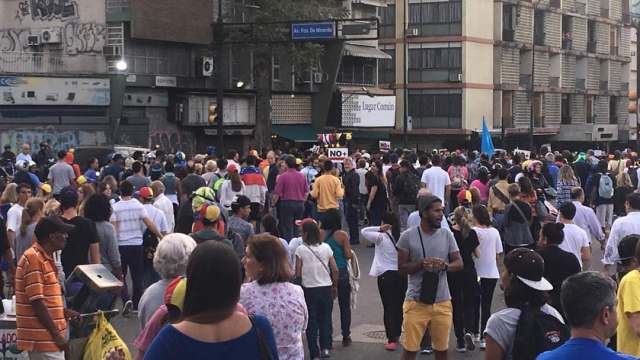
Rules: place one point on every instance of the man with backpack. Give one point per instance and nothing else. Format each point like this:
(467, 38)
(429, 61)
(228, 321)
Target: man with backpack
(589, 300)
(602, 190)
(406, 189)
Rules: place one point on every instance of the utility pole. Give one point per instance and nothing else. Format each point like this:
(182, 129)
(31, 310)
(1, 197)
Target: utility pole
(533, 76)
(405, 135)
(219, 62)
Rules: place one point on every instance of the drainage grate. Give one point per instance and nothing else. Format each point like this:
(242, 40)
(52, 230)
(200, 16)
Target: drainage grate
(378, 335)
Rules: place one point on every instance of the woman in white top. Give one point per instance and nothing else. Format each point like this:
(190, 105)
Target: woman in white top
(231, 188)
(486, 265)
(317, 268)
(391, 285)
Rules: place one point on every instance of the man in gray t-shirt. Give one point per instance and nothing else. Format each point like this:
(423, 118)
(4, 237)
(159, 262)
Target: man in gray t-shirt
(138, 180)
(61, 174)
(440, 255)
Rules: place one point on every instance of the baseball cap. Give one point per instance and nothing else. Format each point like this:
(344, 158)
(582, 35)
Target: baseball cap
(627, 247)
(241, 201)
(116, 157)
(464, 196)
(425, 202)
(211, 213)
(51, 224)
(175, 292)
(46, 188)
(298, 161)
(304, 221)
(232, 168)
(145, 192)
(528, 266)
(81, 180)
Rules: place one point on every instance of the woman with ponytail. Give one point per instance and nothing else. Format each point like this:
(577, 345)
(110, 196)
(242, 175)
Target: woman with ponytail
(31, 214)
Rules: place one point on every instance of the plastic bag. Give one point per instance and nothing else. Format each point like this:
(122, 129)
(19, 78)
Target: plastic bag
(105, 343)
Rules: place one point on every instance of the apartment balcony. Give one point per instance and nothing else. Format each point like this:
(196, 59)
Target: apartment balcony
(508, 35)
(581, 84)
(554, 81)
(604, 85)
(526, 80)
(48, 63)
(538, 38)
(592, 46)
(567, 44)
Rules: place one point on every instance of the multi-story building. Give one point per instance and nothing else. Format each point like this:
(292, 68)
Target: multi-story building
(561, 64)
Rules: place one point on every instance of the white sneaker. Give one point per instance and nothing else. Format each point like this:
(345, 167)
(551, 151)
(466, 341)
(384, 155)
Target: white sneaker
(427, 350)
(127, 307)
(483, 344)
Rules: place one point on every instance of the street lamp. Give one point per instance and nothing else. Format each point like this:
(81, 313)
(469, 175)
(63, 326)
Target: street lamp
(121, 65)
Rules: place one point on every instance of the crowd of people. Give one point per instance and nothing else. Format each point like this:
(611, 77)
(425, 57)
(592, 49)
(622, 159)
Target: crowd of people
(239, 256)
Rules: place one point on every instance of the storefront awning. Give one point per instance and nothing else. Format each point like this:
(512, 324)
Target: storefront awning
(299, 133)
(364, 52)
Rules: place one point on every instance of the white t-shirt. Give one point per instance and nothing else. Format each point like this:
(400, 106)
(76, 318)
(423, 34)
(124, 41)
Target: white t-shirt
(315, 273)
(14, 217)
(166, 206)
(129, 215)
(575, 239)
(490, 246)
(158, 218)
(362, 172)
(436, 179)
(502, 326)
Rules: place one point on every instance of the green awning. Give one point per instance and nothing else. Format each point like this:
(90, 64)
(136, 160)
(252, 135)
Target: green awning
(299, 133)
(369, 135)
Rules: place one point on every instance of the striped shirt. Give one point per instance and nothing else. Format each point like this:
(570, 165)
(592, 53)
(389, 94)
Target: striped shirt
(129, 216)
(37, 278)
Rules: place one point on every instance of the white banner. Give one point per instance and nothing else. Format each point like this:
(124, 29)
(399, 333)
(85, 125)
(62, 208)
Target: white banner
(368, 111)
(337, 154)
(384, 146)
(32, 90)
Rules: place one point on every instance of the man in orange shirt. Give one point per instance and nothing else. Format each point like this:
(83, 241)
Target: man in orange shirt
(40, 314)
(327, 189)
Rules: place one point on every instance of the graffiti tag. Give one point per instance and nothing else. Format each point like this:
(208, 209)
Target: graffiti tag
(47, 10)
(84, 38)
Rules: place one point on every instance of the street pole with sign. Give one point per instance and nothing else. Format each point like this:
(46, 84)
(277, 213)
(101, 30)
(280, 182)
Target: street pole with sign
(219, 63)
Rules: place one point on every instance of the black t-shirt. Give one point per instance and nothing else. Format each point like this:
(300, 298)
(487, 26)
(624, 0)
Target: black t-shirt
(76, 250)
(466, 247)
(558, 265)
(380, 198)
(4, 242)
(514, 214)
(184, 220)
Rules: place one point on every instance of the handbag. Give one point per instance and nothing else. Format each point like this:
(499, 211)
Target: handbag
(429, 286)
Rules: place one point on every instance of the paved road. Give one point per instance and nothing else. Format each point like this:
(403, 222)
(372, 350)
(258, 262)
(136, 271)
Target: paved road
(367, 329)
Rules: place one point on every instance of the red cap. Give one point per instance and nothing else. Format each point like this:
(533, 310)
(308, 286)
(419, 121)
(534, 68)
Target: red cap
(145, 192)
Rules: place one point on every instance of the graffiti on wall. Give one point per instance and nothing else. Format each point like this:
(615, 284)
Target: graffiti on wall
(47, 10)
(59, 140)
(173, 140)
(78, 38)
(84, 38)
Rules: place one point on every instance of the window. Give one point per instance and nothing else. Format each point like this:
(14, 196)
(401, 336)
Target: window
(275, 66)
(589, 111)
(357, 70)
(566, 109)
(591, 36)
(538, 34)
(507, 109)
(388, 21)
(538, 111)
(508, 22)
(436, 18)
(567, 34)
(613, 110)
(614, 40)
(430, 110)
(387, 68)
(433, 64)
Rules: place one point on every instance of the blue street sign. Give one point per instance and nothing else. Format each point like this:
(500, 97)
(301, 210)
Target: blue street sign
(325, 30)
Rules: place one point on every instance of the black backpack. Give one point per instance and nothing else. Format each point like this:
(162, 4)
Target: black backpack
(536, 333)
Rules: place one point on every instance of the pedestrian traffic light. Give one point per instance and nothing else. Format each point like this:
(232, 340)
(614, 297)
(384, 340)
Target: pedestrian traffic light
(213, 113)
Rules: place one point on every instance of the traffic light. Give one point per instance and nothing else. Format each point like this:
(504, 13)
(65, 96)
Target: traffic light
(213, 113)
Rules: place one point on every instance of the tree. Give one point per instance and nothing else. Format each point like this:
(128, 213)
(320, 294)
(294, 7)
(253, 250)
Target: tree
(270, 27)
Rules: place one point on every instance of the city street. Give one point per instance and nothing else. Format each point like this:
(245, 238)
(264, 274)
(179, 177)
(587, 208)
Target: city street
(367, 329)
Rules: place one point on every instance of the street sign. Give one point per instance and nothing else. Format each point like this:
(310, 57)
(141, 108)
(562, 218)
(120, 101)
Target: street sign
(325, 30)
(337, 154)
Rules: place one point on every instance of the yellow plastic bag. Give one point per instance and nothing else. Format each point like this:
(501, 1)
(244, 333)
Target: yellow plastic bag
(105, 343)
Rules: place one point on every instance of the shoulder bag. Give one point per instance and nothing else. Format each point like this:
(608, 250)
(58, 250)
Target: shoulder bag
(429, 286)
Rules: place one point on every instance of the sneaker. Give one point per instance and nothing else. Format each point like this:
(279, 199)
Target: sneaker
(127, 307)
(391, 346)
(427, 350)
(483, 344)
(460, 346)
(324, 354)
(476, 338)
(346, 341)
(468, 342)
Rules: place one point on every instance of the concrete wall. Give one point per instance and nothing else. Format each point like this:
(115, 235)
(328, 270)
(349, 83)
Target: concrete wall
(553, 29)
(578, 114)
(476, 103)
(602, 110)
(541, 64)
(82, 27)
(521, 109)
(524, 25)
(579, 33)
(602, 33)
(552, 108)
(593, 74)
(510, 66)
(568, 77)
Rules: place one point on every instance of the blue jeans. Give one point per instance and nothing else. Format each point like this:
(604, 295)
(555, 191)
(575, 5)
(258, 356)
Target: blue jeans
(351, 215)
(288, 212)
(319, 305)
(132, 259)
